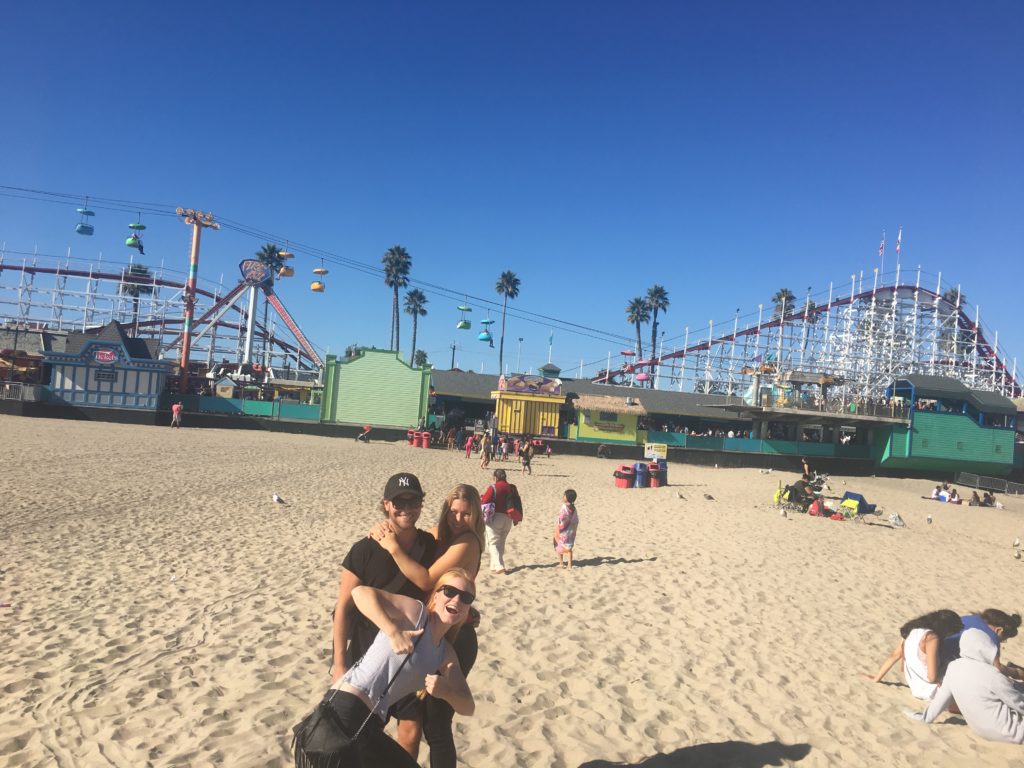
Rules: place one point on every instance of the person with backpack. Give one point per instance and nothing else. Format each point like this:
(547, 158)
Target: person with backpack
(497, 523)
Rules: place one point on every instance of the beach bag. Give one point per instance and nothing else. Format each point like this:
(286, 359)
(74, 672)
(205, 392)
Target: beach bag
(515, 505)
(320, 741)
(487, 510)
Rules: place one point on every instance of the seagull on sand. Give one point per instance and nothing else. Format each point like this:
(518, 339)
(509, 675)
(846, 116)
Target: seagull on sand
(278, 499)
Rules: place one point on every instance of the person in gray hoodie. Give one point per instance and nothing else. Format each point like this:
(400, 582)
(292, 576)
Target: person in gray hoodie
(988, 700)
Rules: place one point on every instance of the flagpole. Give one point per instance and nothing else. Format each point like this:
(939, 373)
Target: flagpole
(881, 253)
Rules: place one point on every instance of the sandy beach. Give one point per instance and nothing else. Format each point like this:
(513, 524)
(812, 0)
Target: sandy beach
(161, 610)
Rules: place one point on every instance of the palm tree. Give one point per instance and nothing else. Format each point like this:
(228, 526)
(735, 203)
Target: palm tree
(269, 254)
(415, 305)
(397, 263)
(657, 299)
(638, 311)
(508, 288)
(420, 359)
(783, 301)
(136, 280)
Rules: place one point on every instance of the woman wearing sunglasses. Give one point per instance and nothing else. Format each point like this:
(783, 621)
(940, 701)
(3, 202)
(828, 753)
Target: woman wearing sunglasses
(460, 537)
(419, 635)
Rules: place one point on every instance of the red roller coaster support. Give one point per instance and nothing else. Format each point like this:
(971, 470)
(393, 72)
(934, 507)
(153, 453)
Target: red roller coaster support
(198, 220)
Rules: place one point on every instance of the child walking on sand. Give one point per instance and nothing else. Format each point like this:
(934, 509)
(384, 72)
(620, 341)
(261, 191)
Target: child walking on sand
(565, 528)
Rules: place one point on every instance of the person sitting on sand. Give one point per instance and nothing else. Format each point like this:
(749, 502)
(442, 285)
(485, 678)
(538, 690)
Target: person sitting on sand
(369, 564)
(919, 650)
(460, 540)
(990, 703)
(998, 625)
(421, 635)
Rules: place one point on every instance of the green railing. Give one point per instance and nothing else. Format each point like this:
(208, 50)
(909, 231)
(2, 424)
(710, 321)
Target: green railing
(753, 445)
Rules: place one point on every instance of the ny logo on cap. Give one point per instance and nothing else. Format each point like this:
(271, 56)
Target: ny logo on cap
(403, 481)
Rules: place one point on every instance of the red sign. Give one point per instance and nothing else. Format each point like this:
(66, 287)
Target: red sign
(105, 356)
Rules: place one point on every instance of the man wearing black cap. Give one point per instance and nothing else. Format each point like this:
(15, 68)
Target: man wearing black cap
(368, 563)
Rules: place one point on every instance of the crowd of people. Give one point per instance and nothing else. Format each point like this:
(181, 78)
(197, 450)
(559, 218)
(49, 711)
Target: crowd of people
(953, 663)
(942, 492)
(404, 630)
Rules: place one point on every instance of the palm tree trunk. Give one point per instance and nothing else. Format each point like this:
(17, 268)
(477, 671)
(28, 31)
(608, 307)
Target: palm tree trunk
(501, 344)
(654, 343)
(412, 352)
(397, 320)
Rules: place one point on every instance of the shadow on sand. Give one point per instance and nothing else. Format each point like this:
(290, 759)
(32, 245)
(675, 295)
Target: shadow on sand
(724, 754)
(585, 563)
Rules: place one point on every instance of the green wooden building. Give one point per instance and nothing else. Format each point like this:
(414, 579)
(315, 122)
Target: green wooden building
(374, 387)
(950, 428)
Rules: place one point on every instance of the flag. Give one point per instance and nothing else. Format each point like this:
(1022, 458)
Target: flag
(881, 247)
(899, 237)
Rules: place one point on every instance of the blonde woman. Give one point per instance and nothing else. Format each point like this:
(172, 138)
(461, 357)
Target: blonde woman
(460, 538)
(424, 633)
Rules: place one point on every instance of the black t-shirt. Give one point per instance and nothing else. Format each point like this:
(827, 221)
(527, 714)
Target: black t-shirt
(375, 567)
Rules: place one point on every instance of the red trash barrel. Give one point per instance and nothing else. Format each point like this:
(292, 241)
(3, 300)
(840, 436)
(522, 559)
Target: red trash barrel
(654, 473)
(624, 476)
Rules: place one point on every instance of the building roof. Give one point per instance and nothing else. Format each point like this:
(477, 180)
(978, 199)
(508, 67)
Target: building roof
(478, 386)
(610, 404)
(113, 332)
(946, 388)
(32, 341)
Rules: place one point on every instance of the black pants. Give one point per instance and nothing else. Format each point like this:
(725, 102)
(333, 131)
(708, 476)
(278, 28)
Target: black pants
(376, 748)
(438, 713)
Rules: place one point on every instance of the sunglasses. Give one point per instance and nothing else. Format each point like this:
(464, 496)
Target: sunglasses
(407, 503)
(465, 597)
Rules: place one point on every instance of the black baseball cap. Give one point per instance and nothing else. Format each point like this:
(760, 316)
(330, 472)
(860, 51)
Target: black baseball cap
(404, 483)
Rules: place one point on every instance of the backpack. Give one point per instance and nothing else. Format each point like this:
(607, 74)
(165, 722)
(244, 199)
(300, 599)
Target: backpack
(515, 505)
(487, 509)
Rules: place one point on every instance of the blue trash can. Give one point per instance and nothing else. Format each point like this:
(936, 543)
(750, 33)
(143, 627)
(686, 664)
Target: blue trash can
(640, 468)
(663, 467)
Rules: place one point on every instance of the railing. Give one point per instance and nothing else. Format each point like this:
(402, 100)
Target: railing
(989, 483)
(889, 410)
(19, 391)
(754, 445)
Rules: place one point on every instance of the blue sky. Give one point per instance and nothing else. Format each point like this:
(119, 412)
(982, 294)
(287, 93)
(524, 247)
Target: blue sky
(724, 150)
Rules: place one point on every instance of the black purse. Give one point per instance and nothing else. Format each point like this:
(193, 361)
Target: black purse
(320, 741)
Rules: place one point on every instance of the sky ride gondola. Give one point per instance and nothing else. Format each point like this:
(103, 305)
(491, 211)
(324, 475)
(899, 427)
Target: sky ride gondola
(84, 227)
(134, 240)
(318, 285)
(464, 324)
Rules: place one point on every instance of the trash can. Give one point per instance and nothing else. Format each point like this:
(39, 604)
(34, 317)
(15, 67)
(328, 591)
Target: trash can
(663, 466)
(654, 475)
(640, 468)
(624, 476)
(411, 436)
